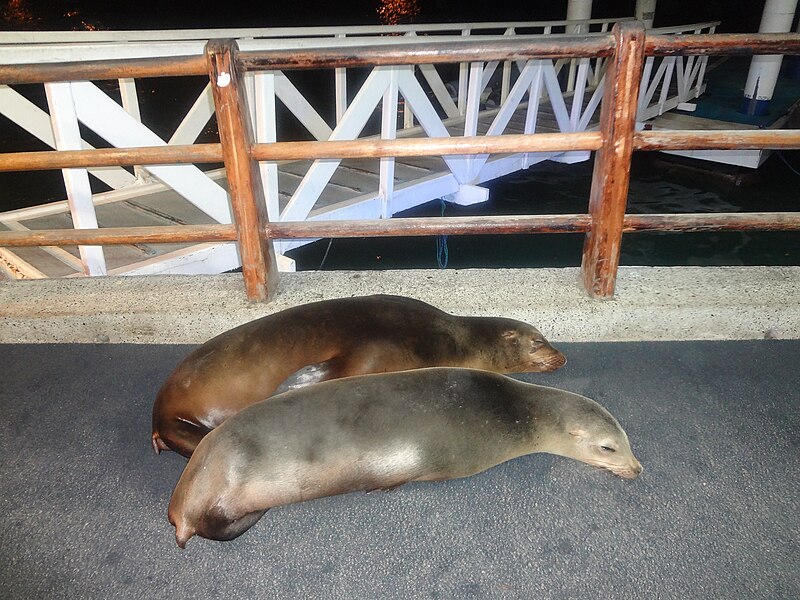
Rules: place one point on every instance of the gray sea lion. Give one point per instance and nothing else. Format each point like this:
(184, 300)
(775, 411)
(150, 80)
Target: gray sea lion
(377, 432)
(328, 340)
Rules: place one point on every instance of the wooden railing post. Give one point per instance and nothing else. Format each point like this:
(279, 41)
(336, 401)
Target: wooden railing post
(611, 175)
(244, 180)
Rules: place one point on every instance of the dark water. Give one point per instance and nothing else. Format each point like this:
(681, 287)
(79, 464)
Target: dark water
(657, 185)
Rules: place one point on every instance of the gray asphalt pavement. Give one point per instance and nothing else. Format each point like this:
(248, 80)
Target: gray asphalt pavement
(83, 499)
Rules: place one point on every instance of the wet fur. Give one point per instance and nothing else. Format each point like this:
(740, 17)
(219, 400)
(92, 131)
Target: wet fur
(329, 340)
(378, 432)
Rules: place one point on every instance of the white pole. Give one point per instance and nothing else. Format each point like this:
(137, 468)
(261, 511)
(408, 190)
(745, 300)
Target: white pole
(794, 60)
(776, 18)
(645, 12)
(577, 10)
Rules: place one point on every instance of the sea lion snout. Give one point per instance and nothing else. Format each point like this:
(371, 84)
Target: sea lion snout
(552, 361)
(632, 471)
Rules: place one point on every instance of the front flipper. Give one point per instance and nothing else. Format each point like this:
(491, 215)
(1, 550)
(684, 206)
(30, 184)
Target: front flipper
(309, 375)
(217, 526)
(388, 488)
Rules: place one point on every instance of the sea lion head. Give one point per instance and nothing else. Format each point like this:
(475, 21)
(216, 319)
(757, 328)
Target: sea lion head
(587, 432)
(527, 350)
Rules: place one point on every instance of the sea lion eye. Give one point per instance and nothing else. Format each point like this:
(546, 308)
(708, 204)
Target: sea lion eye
(607, 449)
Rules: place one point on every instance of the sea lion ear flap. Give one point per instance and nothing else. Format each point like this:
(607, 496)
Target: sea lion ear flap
(577, 433)
(510, 334)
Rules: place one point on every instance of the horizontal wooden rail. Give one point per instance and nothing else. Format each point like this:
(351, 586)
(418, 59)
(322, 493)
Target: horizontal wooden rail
(421, 226)
(457, 50)
(376, 148)
(569, 223)
(405, 227)
(696, 222)
(366, 148)
(167, 66)
(720, 139)
(431, 52)
(110, 157)
(160, 234)
(395, 54)
(722, 43)
(407, 53)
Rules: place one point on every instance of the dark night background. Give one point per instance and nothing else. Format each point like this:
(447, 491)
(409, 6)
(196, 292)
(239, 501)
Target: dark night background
(736, 15)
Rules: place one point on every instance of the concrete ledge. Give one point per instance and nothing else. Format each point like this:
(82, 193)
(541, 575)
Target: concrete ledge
(652, 303)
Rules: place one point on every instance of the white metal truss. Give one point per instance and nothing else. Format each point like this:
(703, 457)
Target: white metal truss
(430, 105)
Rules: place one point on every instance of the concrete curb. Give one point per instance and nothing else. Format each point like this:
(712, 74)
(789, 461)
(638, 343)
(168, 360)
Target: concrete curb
(651, 303)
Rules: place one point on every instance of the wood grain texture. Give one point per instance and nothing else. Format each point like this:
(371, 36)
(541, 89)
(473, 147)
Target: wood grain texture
(373, 148)
(110, 157)
(611, 175)
(256, 250)
(405, 227)
(719, 139)
(167, 66)
(429, 52)
(722, 43)
(157, 234)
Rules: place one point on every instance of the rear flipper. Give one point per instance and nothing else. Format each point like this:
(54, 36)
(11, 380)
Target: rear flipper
(179, 435)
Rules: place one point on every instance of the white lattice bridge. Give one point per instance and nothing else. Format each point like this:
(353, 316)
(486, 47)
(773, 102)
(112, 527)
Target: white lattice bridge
(480, 98)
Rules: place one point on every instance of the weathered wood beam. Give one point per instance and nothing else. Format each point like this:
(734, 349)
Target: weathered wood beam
(421, 226)
(374, 148)
(722, 43)
(110, 157)
(422, 53)
(721, 139)
(105, 236)
(405, 227)
(527, 224)
(429, 52)
(697, 222)
(611, 175)
(256, 250)
(167, 66)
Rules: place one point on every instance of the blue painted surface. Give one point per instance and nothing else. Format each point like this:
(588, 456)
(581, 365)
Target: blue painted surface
(724, 99)
(755, 108)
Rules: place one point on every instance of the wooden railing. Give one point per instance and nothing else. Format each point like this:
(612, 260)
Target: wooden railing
(604, 224)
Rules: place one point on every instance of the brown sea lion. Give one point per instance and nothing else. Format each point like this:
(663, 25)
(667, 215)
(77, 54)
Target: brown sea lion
(380, 431)
(328, 340)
